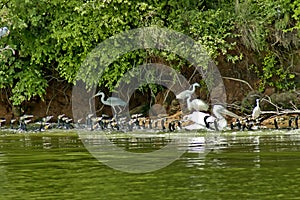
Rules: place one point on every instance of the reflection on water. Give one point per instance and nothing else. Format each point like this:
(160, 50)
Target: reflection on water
(248, 165)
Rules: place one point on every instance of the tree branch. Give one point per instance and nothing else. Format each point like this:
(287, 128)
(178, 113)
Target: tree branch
(240, 80)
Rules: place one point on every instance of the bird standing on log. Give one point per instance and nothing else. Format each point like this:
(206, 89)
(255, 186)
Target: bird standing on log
(256, 111)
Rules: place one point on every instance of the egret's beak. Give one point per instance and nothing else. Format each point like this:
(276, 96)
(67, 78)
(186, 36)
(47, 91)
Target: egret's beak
(97, 94)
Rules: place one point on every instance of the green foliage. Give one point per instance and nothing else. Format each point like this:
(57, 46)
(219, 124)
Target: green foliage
(211, 28)
(29, 84)
(296, 14)
(274, 75)
(262, 22)
(53, 38)
(6, 71)
(267, 28)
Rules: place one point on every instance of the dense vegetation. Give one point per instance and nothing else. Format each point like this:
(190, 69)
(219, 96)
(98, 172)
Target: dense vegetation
(53, 37)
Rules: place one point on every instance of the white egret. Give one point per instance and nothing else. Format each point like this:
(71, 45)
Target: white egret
(186, 93)
(196, 104)
(111, 101)
(256, 111)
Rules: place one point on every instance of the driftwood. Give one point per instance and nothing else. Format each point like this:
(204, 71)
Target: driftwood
(239, 80)
(283, 112)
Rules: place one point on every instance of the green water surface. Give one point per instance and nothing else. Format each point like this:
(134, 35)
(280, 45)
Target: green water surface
(246, 165)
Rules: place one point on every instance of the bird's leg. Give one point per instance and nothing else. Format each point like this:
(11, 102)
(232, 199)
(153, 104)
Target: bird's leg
(115, 114)
(216, 125)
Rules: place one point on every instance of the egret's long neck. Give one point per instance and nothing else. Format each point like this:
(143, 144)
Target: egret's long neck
(193, 88)
(102, 97)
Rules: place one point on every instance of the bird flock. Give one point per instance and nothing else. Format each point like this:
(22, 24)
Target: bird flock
(197, 119)
(25, 123)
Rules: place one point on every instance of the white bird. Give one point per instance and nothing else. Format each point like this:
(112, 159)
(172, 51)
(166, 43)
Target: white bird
(135, 116)
(199, 119)
(111, 101)
(196, 104)
(3, 31)
(256, 111)
(47, 118)
(186, 93)
(60, 116)
(219, 111)
(27, 121)
(89, 116)
(25, 117)
(205, 120)
(1, 121)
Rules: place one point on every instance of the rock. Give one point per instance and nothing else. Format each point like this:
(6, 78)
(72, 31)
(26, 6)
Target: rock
(174, 107)
(284, 99)
(156, 110)
(269, 91)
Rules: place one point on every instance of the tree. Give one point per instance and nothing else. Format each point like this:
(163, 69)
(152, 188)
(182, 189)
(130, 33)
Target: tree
(52, 37)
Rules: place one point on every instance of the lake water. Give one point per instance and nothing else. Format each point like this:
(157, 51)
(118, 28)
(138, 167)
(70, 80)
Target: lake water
(240, 165)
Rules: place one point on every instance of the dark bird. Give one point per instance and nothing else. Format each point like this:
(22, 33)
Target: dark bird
(296, 122)
(24, 121)
(276, 123)
(12, 121)
(290, 122)
(3, 120)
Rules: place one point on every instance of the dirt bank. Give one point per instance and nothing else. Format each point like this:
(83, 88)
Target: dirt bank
(58, 95)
